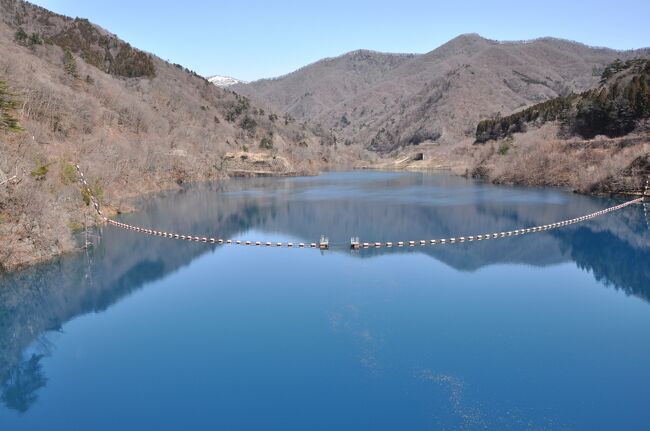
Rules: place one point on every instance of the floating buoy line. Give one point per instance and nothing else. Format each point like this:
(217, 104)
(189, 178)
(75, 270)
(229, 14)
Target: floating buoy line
(355, 243)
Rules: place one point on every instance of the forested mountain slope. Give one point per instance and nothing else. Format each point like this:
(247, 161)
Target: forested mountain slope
(134, 122)
(388, 101)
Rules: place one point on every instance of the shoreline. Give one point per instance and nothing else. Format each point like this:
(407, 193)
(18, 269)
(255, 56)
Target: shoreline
(124, 207)
(77, 246)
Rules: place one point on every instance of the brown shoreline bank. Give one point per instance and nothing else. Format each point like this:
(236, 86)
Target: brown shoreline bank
(111, 209)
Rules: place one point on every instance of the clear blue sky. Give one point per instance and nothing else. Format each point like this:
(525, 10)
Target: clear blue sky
(251, 40)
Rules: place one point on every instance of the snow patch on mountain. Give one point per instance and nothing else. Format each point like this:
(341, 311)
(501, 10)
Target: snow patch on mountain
(224, 81)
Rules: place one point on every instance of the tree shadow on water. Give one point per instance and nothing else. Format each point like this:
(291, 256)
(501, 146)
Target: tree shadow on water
(21, 384)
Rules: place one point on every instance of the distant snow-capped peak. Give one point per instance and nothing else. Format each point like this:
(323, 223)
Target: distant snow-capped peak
(223, 81)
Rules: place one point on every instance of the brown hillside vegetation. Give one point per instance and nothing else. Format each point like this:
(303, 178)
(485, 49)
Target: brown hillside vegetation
(72, 92)
(541, 157)
(621, 99)
(596, 142)
(134, 122)
(387, 101)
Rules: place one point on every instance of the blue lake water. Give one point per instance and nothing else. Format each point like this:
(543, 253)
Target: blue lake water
(548, 331)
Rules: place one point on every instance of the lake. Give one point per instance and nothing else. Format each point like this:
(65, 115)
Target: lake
(543, 331)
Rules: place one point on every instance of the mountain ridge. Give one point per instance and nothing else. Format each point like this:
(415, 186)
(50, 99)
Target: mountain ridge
(139, 124)
(438, 96)
(134, 122)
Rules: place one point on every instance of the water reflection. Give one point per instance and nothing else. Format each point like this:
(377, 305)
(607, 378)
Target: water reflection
(20, 386)
(374, 206)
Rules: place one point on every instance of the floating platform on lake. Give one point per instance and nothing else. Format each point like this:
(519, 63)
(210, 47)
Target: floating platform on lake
(324, 243)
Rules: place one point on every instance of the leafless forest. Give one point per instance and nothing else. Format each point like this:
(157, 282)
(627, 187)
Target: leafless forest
(137, 124)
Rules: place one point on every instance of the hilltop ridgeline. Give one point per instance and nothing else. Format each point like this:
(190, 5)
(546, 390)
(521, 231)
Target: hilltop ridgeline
(613, 108)
(71, 92)
(38, 26)
(597, 141)
(385, 102)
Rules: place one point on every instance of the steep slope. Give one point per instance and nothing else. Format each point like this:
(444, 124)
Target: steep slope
(308, 92)
(133, 121)
(439, 96)
(597, 141)
(613, 108)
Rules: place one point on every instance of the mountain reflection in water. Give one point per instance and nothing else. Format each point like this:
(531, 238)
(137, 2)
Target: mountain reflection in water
(373, 206)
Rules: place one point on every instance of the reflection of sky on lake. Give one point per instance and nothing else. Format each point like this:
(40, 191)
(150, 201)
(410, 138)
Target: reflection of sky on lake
(543, 331)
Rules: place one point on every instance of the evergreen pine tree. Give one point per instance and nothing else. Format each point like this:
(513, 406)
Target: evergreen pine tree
(21, 36)
(8, 103)
(70, 64)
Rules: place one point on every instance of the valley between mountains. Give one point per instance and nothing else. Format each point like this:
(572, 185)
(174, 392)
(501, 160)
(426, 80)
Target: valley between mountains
(546, 112)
